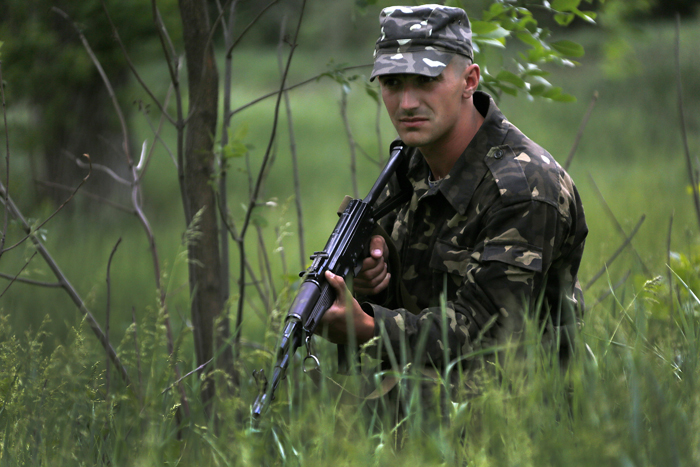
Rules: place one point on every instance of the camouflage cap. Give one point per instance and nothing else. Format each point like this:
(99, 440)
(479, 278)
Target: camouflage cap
(420, 39)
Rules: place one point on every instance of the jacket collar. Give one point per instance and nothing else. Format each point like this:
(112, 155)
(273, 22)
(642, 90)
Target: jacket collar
(459, 185)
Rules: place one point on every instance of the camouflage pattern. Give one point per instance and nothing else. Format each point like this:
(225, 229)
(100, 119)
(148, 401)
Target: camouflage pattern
(420, 39)
(502, 231)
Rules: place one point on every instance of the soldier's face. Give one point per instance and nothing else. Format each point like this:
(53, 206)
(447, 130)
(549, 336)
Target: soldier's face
(425, 111)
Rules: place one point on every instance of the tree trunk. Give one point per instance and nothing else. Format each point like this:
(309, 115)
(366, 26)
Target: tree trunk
(203, 252)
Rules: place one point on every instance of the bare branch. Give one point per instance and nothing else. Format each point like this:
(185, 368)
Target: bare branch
(66, 285)
(610, 290)
(30, 232)
(615, 255)
(302, 83)
(13, 279)
(107, 311)
(30, 281)
(88, 194)
(582, 127)
(7, 163)
(258, 184)
(103, 169)
(617, 224)
(145, 87)
(230, 48)
(351, 140)
(681, 114)
(106, 81)
(293, 152)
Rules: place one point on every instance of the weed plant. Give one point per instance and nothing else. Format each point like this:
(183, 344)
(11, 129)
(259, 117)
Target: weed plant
(628, 396)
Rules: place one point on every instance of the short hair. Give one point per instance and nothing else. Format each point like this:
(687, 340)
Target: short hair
(460, 63)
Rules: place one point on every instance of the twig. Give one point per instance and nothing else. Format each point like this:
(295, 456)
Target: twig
(610, 291)
(351, 139)
(13, 279)
(293, 152)
(614, 255)
(378, 130)
(66, 285)
(681, 113)
(30, 281)
(103, 169)
(253, 199)
(30, 231)
(178, 381)
(105, 79)
(7, 164)
(582, 127)
(108, 309)
(618, 226)
(145, 87)
(136, 349)
(294, 86)
(230, 48)
(88, 194)
(668, 262)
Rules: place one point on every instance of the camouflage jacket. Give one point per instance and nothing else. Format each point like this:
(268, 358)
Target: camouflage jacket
(504, 228)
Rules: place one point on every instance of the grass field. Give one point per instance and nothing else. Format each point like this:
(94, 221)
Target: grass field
(629, 399)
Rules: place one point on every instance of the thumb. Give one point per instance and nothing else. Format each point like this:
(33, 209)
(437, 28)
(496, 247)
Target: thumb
(376, 246)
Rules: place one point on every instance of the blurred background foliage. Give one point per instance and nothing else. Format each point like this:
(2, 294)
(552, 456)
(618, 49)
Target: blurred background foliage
(56, 103)
(629, 161)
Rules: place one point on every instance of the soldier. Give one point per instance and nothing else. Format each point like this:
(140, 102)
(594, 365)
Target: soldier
(494, 221)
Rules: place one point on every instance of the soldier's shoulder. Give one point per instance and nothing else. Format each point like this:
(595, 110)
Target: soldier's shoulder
(524, 170)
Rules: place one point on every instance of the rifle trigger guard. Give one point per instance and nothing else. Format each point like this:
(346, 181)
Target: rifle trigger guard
(310, 356)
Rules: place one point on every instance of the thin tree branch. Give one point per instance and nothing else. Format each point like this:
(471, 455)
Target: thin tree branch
(610, 291)
(351, 139)
(115, 32)
(681, 114)
(293, 152)
(30, 281)
(7, 163)
(581, 128)
(108, 310)
(230, 48)
(88, 194)
(103, 169)
(615, 255)
(668, 262)
(106, 81)
(253, 199)
(15, 278)
(617, 224)
(30, 232)
(66, 285)
(302, 83)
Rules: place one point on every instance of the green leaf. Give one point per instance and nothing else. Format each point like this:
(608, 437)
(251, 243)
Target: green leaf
(589, 16)
(511, 78)
(568, 48)
(493, 42)
(564, 19)
(529, 39)
(488, 30)
(565, 5)
(506, 89)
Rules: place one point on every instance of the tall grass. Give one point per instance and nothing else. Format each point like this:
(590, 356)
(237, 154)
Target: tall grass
(627, 397)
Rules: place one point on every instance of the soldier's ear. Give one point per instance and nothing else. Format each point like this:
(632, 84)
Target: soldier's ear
(472, 74)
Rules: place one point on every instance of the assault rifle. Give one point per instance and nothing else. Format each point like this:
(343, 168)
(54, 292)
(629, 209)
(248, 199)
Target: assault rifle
(345, 250)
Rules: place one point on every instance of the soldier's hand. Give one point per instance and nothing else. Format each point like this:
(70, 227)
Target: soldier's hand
(374, 276)
(344, 310)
